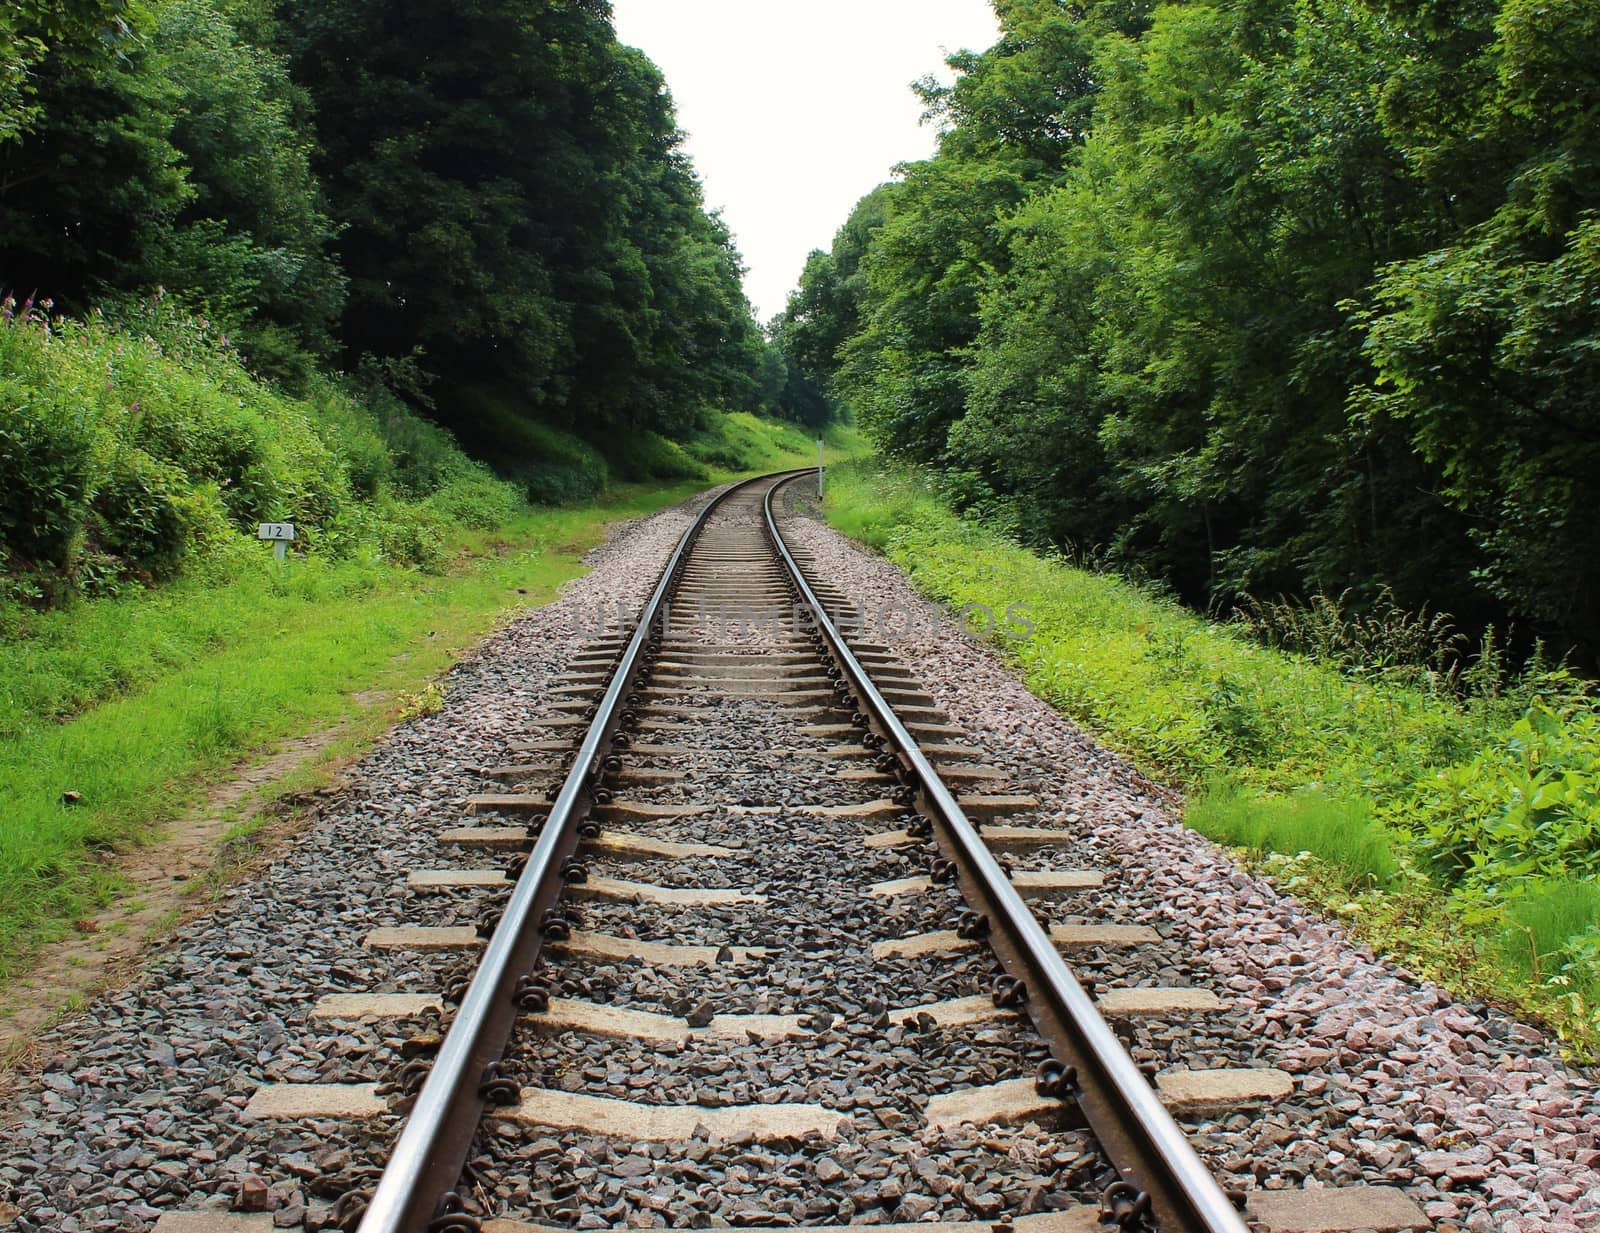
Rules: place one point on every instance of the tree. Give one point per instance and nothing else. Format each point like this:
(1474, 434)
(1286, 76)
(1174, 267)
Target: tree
(1278, 295)
(1487, 350)
(95, 177)
(517, 209)
(177, 158)
(71, 33)
(1013, 123)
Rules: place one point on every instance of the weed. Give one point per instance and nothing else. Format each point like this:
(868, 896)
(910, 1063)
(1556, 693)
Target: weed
(429, 700)
(1342, 833)
(1421, 649)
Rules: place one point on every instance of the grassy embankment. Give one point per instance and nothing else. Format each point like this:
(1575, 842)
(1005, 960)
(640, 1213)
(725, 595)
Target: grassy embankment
(149, 646)
(1451, 823)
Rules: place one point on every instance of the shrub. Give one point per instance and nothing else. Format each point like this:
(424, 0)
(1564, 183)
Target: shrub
(1526, 808)
(136, 445)
(648, 455)
(350, 430)
(137, 515)
(415, 535)
(47, 467)
(554, 468)
(425, 457)
(209, 438)
(1420, 649)
(476, 500)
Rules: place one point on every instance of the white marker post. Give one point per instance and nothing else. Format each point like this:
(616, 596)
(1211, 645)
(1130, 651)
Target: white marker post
(280, 533)
(819, 468)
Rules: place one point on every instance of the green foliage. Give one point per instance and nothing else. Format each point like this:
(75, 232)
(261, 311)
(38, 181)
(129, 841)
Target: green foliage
(650, 456)
(742, 442)
(137, 514)
(47, 468)
(469, 206)
(143, 447)
(1552, 939)
(1192, 699)
(1342, 833)
(1384, 640)
(178, 161)
(70, 31)
(1553, 927)
(1296, 297)
(1527, 808)
(517, 207)
(475, 500)
(251, 248)
(1487, 353)
(551, 467)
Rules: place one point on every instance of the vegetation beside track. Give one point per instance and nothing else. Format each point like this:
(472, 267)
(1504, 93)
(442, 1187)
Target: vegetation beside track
(1449, 819)
(118, 711)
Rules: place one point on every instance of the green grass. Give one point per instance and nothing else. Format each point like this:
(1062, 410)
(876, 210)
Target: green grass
(557, 467)
(1454, 834)
(1543, 923)
(134, 704)
(1340, 832)
(739, 439)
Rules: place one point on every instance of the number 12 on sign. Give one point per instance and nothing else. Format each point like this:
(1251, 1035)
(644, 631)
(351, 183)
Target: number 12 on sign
(280, 533)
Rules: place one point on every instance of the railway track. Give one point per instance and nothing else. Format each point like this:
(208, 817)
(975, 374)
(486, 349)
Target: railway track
(744, 914)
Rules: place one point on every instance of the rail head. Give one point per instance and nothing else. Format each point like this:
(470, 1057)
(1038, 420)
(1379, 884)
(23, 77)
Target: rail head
(1159, 1167)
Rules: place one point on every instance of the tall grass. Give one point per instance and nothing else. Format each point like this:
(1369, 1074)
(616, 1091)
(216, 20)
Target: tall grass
(1339, 831)
(1543, 922)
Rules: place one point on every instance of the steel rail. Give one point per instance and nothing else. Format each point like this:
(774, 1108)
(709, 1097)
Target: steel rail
(1161, 1172)
(424, 1169)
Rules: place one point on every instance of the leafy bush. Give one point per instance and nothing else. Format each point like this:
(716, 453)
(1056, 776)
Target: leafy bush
(557, 469)
(135, 445)
(424, 456)
(351, 430)
(415, 535)
(1525, 809)
(47, 464)
(476, 500)
(648, 456)
(137, 515)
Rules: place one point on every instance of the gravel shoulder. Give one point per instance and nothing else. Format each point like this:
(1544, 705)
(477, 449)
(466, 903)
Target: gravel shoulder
(135, 1105)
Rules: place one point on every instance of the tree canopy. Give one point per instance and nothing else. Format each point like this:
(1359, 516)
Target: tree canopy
(484, 206)
(1277, 296)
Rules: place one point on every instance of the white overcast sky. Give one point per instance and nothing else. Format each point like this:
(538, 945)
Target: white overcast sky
(795, 108)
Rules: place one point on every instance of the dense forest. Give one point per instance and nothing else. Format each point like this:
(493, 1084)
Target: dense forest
(1253, 297)
(254, 253)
